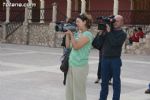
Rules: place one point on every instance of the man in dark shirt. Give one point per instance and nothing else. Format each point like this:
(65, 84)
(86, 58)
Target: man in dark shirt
(111, 62)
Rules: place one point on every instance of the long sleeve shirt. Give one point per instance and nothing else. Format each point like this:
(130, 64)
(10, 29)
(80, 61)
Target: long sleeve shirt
(113, 43)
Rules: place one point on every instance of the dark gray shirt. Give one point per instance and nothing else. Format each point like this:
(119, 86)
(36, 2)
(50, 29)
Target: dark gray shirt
(113, 43)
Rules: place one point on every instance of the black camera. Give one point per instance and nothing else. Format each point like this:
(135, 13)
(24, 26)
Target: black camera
(63, 27)
(103, 20)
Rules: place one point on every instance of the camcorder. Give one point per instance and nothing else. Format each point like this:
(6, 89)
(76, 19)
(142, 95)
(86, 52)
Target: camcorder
(103, 20)
(63, 27)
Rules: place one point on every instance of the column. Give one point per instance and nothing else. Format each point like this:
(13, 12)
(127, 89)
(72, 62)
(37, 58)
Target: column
(116, 5)
(54, 14)
(30, 11)
(7, 12)
(26, 16)
(42, 11)
(68, 8)
(131, 4)
(83, 6)
(53, 24)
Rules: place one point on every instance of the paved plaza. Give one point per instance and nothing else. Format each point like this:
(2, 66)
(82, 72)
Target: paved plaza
(32, 73)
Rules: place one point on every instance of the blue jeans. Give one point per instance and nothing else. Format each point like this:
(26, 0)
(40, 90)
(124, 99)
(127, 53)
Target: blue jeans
(110, 67)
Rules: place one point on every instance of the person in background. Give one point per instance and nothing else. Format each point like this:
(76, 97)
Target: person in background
(64, 50)
(134, 37)
(137, 34)
(99, 70)
(63, 44)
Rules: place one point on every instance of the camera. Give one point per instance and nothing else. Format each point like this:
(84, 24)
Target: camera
(63, 27)
(103, 20)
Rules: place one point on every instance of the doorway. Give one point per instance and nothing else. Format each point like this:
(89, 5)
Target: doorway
(36, 11)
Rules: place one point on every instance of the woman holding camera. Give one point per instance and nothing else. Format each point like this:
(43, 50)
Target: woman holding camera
(80, 42)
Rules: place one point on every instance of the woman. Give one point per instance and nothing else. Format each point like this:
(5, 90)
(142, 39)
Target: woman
(78, 60)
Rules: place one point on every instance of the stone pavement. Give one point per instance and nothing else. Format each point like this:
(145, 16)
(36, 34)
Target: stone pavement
(32, 73)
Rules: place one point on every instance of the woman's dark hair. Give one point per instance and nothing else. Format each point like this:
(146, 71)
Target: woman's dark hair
(87, 18)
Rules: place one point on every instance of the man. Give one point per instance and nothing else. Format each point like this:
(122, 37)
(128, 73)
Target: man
(111, 61)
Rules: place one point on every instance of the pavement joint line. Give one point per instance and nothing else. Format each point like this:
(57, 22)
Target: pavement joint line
(131, 61)
(16, 49)
(34, 51)
(32, 69)
(19, 53)
(55, 69)
(17, 65)
(136, 61)
(30, 66)
(53, 53)
(134, 81)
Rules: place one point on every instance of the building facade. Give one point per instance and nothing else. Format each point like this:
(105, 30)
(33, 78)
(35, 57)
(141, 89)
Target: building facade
(42, 12)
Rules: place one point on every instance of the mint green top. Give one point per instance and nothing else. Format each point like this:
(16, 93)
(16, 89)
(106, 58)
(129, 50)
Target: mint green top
(79, 58)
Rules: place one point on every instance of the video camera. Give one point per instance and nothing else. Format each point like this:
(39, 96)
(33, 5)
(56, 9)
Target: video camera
(103, 20)
(63, 27)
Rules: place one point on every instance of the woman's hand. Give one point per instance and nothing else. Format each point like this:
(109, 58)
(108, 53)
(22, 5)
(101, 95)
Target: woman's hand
(68, 33)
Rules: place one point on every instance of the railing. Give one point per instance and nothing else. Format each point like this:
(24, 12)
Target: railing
(11, 28)
(140, 17)
(133, 17)
(38, 13)
(16, 21)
